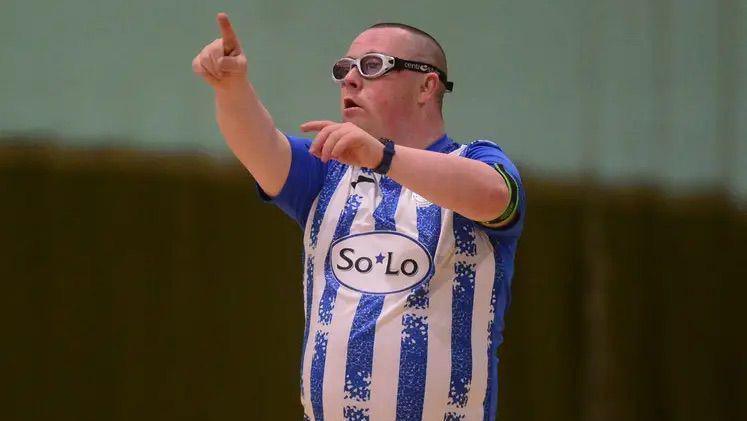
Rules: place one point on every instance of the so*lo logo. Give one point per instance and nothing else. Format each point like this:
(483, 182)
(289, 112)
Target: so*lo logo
(380, 262)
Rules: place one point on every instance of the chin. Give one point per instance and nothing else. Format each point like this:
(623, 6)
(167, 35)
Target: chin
(357, 120)
(361, 122)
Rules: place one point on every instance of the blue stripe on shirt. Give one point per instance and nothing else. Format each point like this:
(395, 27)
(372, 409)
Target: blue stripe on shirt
(414, 343)
(463, 291)
(334, 175)
(359, 363)
(326, 308)
(491, 392)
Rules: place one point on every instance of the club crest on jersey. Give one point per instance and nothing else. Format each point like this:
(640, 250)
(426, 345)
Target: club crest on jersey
(380, 262)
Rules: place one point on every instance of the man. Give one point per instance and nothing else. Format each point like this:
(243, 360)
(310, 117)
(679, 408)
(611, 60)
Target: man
(409, 237)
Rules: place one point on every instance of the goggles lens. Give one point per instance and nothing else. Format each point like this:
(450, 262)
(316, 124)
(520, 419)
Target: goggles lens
(368, 66)
(341, 68)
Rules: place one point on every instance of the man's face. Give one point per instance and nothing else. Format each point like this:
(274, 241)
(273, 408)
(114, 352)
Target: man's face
(382, 105)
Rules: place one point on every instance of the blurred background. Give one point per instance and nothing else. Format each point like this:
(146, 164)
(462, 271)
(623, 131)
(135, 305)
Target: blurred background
(143, 279)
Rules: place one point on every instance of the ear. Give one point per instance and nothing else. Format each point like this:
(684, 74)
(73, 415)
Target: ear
(429, 88)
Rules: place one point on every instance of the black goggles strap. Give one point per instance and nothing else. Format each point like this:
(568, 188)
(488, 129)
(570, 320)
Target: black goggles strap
(423, 68)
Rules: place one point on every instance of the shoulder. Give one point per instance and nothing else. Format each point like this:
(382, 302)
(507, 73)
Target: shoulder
(298, 141)
(482, 146)
(490, 153)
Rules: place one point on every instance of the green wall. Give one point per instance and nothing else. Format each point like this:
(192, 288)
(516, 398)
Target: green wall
(632, 92)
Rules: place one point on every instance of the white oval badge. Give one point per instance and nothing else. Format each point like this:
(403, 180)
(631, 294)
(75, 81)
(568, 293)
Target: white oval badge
(379, 262)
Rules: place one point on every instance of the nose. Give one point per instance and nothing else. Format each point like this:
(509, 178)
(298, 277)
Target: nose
(353, 79)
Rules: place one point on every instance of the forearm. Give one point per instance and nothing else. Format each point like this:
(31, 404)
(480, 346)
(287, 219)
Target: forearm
(468, 187)
(251, 134)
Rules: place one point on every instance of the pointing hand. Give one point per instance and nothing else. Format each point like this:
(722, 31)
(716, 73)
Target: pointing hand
(222, 61)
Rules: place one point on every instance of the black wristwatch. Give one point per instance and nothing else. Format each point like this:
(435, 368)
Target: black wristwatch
(386, 160)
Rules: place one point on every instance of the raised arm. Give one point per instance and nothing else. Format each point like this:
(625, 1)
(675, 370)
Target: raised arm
(244, 122)
(468, 187)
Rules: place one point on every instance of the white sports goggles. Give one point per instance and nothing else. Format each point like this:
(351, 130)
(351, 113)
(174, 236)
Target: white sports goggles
(373, 65)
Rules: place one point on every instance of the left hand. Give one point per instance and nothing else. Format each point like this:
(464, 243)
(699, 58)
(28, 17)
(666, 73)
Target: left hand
(344, 142)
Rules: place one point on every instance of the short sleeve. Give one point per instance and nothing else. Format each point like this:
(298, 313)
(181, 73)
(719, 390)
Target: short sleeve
(305, 180)
(491, 154)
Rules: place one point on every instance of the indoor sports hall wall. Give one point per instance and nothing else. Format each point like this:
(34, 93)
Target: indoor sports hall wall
(143, 279)
(627, 92)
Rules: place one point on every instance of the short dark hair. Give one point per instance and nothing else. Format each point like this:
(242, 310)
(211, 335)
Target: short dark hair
(440, 61)
(410, 28)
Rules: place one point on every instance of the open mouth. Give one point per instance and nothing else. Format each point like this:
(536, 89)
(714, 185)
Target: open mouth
(349, 103)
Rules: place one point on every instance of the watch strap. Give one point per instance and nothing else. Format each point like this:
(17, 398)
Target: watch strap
(386, 159)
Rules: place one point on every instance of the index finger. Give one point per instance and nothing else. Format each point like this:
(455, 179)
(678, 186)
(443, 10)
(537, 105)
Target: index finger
(316, 125)
(230, 40)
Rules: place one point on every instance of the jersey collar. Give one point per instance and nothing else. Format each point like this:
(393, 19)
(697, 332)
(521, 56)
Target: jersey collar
(440, 144)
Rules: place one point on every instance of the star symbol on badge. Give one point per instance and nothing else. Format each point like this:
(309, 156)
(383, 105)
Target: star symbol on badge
(380, 258)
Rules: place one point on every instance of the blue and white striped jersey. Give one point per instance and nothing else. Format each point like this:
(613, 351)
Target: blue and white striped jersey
(404, 300)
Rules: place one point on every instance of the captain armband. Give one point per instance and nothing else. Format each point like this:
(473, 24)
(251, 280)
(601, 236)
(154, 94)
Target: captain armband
(513, 202)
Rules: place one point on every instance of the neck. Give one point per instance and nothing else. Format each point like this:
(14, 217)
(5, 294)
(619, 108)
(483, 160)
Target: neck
(419, 132)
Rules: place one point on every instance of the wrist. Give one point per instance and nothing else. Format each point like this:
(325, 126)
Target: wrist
(387, 154)
(376, 155)
(233, 86)
(239, 95)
